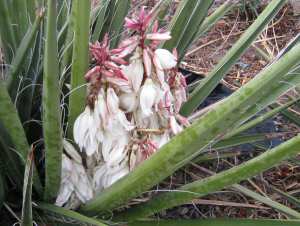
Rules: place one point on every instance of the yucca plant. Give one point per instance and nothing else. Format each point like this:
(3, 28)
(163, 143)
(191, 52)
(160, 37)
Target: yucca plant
(91, 140)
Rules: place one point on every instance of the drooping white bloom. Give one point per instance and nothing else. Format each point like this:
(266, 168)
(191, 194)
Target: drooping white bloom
(175, 127)
(135, 70)
(112, 102)
(180, 98)
(105, 175)
(148, 97)
(84, 131)
(128, 102)
(66, 185)
(165, 58)
(74, 179)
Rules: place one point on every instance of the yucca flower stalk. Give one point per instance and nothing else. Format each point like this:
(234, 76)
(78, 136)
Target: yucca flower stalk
(133, 100)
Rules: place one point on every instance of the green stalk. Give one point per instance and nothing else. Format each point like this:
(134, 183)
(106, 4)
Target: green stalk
(80, 59)
(201, 92)
(51, 107)
(20, 56)
(216, 182)
(206, 131)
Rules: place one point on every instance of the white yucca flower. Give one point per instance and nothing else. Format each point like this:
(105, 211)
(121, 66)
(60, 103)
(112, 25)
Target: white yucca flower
(85, 132)
(164, 59)
(148, 97)
(74, 179)
(132, 110)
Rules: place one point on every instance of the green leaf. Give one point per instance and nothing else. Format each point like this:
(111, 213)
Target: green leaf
(243, 139)
(11, 122)
(8, 36)
(261, 118)
(287, 196)
(291, 116)
(163, 7)
(216, 222)
(65, 213)
(100, 20)
(51, 108)
(20, 18)
(67, 51)
(185, 24)
(27, 192)
(120, 12)
(10, 162)
(212, 80)
(2, 191)
(216, 182)
(213, 125)
(281, 208)
(212, 19)
(20, 56)
(108, 18)
(80, 59)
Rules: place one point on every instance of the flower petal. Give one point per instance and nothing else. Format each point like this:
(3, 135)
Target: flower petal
(135, 73)
(147, 97)
(128, 102)
(175, 127)
(166, 59)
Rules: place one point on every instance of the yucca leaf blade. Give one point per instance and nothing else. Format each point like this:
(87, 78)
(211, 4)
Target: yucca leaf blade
(185, 24)
(121, 10)
(11, 122)
(69, 214)
(2, 191)
(212, 80)
(217, 222)
(21, 54)
(212, 19)
(100, 20)
(51, 107)
(9, 162)
(26, 219)
(261, 118)
(216, 182)
(8, 37)
(80, 59)
(269, 202)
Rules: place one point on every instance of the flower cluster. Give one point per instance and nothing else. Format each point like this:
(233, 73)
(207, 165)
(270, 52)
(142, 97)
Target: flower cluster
(133, 101)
